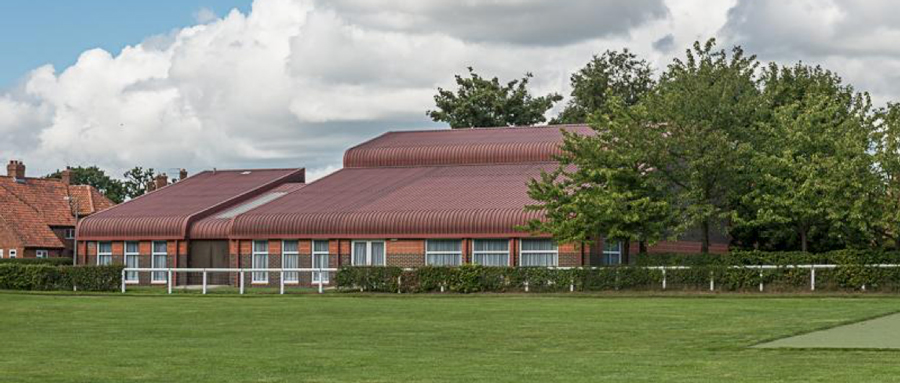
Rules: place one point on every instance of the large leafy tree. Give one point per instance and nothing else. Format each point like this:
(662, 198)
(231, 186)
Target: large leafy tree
(612, 74)
(811, 175)
(94, 176)
(887, 157)
(602, 187)
(481, 102)
(697, 131)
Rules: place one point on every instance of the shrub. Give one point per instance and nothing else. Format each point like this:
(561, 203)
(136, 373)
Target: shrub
(15, 276)
(37, 261)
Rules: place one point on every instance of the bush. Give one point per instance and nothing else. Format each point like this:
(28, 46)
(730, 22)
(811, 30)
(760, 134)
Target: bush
(37, 261)
(15, 276)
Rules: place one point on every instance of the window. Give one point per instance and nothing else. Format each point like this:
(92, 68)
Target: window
(12, 253)
(320, 260)
(104, 253)
(612, 252)
(490, 252)
(41, 253)
(131, 261)
(538, 252)
(260, 261)
(70, 233)
(290, 259)
(158, 260)
(367, 253)
(443, 252)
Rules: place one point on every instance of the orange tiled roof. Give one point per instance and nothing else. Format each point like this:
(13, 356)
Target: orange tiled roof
(31, 208)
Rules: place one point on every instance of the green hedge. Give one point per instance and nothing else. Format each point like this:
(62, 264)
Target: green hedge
(852, 275)
(47, 277)
(37, 261)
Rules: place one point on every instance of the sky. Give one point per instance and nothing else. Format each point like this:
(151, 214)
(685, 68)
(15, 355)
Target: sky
(202, 84)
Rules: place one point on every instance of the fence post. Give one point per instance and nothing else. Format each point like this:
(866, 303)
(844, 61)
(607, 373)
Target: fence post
(281, 278)
(241, 272)
(123, 280)
(399, 283)
(320, 281)
(812, 278)
(712, 283)
(169, 281)
(204, 281)
(760, 279)
(664, 277)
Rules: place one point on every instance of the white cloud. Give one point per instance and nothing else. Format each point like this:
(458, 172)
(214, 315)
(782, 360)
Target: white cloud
(293, 83)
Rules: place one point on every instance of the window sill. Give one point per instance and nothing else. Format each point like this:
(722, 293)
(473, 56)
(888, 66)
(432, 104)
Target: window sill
(158, 282)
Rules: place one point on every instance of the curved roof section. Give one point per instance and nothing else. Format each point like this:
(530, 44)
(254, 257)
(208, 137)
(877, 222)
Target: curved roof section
(390, 202)
(461, 146)
(167, 212)
(218, 225)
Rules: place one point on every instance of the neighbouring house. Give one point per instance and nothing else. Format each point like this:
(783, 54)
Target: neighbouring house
(38, 215)
(410, 198)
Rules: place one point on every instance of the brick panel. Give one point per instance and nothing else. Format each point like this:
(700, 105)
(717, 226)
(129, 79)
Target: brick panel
(414, 246)
(406, 260)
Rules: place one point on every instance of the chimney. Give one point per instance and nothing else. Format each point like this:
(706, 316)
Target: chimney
(16, 170)
(161, 181)
(66, 176)
(182, 175)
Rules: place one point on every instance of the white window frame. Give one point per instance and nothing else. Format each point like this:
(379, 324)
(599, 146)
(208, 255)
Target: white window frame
(607, 253)
(153, 254)
(507, 252)
(324, 274)
(13, 253)
(526, 252)
(42, 253)
(68, 235)
(291, 277)
(259, 277)
(1, 253)
(101, 254)
(137, 254)
(458, 253)
(368, 243)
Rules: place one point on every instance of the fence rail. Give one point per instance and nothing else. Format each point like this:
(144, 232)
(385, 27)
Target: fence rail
(170, 274)
(320, 281)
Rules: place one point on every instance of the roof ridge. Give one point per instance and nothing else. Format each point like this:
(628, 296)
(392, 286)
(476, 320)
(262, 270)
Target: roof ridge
(480, 128)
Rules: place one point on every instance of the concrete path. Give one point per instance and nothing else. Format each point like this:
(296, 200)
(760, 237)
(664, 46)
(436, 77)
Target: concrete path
(878, 333)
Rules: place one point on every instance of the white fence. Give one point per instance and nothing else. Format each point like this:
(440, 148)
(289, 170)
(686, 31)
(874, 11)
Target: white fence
(320, 280)
(170, 275)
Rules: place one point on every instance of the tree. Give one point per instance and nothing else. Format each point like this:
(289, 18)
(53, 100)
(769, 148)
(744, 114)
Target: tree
(480, 102)
(601, 187)
(697, 131)
(887, 157)
(612, 74)
(93, 176)
(813, 167)
(136, 181)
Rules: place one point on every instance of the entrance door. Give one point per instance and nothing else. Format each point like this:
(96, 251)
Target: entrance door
(208, 255)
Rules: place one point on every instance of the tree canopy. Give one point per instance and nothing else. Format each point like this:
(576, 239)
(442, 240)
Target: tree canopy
(480, 102)
(118, 191)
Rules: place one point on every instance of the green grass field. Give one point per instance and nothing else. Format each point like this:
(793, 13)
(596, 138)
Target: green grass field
(385, 338)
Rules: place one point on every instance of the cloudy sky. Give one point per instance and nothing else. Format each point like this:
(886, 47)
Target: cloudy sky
(293, 83)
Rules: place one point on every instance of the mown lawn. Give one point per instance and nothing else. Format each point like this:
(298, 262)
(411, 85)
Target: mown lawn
(385, 338)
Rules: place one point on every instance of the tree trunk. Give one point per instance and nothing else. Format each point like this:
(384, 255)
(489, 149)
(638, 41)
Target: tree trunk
(704, 244)
(626, 251)
(642, 247)
(803, 246)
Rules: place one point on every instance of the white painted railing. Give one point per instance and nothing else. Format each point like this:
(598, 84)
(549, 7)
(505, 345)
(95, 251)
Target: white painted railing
(170, 274)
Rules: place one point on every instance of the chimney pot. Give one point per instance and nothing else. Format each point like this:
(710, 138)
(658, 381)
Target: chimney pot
(66, 176)
(16, 170)
(182, 174)
(161, 181)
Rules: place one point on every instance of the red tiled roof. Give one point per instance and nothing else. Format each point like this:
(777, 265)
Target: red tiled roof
(461, 146)
(470, 200)
(167, 212)
(217, 226)
(32, 207)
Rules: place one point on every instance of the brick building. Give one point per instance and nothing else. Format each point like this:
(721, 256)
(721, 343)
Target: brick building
(415, 198)
(37, 215)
